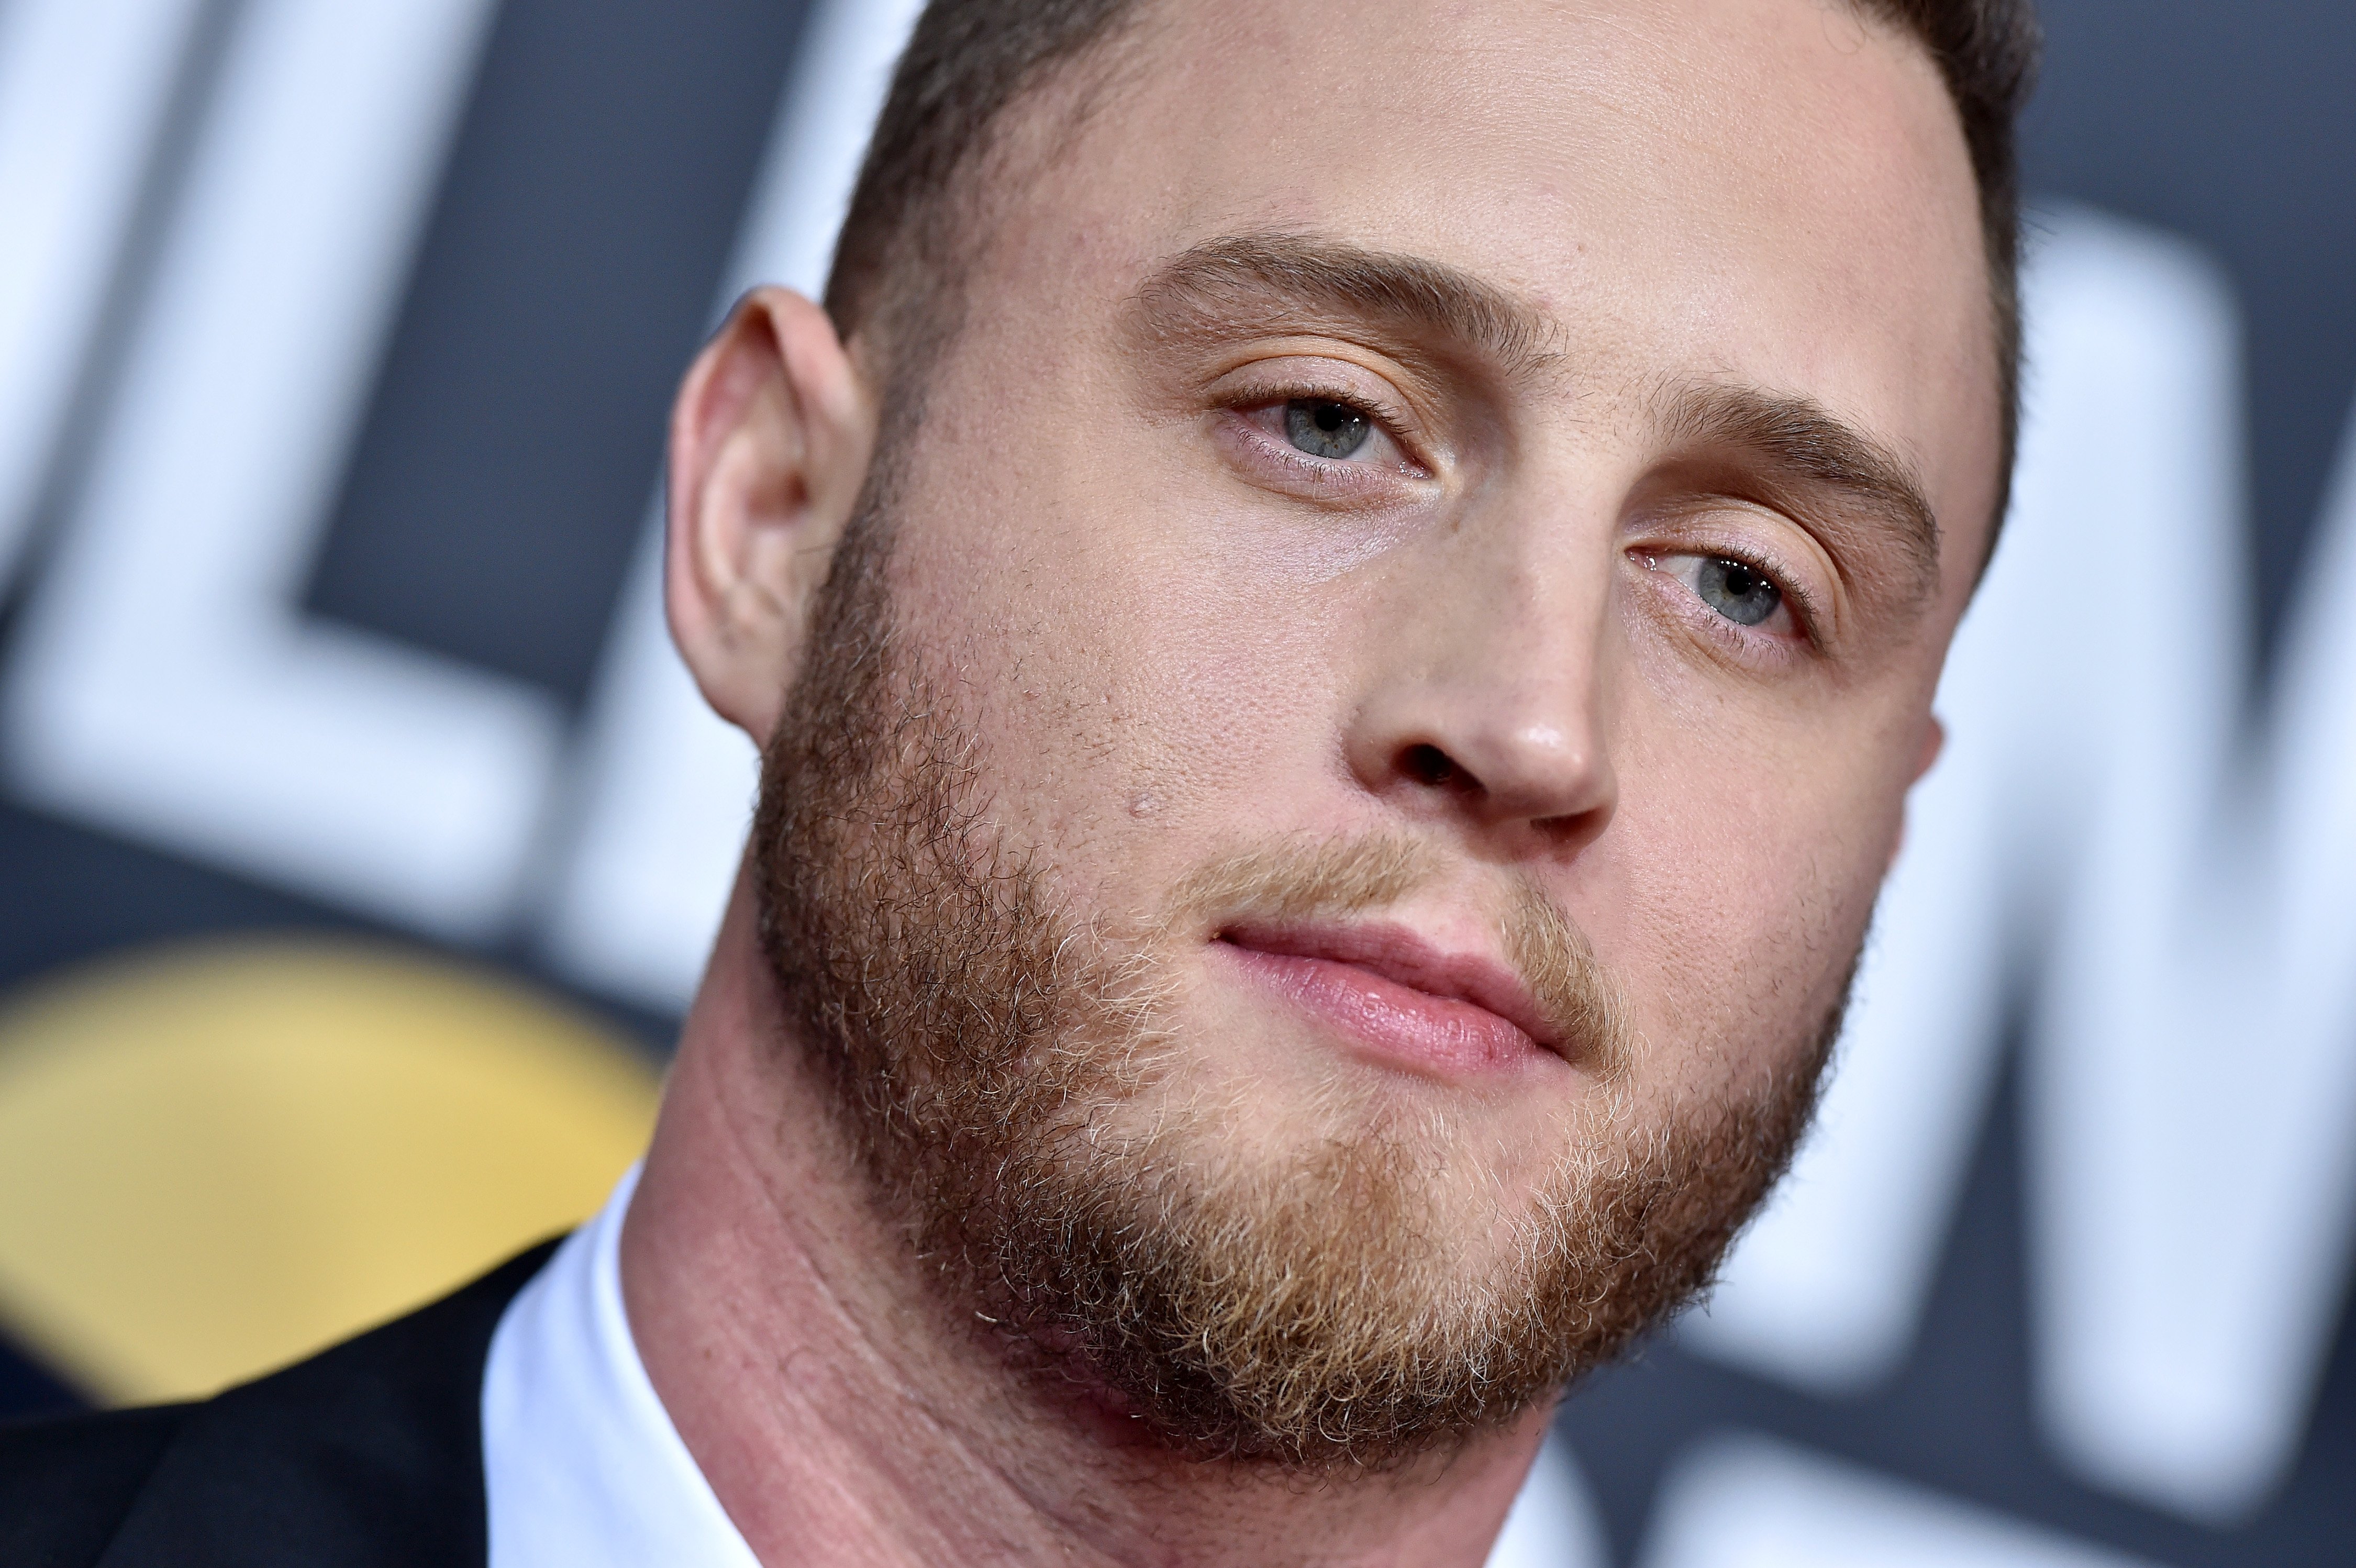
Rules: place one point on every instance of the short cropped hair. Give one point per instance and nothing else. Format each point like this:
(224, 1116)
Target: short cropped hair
(897, 264)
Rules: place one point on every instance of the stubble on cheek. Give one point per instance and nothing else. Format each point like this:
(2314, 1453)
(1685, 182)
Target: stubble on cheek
(1028, 1114)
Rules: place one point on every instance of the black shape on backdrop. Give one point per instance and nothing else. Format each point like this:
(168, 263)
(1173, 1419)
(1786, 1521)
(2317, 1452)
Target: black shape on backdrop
(2236, 125)
(28, 1389)
(593, 196)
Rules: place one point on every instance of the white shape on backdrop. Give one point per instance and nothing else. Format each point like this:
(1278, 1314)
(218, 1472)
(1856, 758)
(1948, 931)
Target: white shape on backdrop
(167, 686)
(2147, 1035)
(1826, 1289)
(1553, 1523)
(83, 85)
(1748, 1502)
(2193, 1075)
(667, 786)
(2189, 933)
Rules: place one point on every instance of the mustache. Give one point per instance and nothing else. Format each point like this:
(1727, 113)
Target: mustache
(1287, 880)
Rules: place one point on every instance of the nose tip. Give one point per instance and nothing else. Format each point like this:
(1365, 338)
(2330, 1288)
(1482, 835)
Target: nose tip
(1540, 773)
(1547, 771)
(1491, 696)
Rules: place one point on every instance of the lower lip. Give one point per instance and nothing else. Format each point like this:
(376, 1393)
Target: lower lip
(1405, 1026)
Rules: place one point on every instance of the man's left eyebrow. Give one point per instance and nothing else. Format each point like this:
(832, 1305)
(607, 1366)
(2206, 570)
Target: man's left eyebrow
(1235, 281)
(1795, 439)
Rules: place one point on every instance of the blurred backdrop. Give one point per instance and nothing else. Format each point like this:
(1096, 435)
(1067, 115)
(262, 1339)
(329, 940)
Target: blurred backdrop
(360, 838)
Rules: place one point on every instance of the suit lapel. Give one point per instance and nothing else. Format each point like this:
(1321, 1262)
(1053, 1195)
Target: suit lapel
(369, 1455)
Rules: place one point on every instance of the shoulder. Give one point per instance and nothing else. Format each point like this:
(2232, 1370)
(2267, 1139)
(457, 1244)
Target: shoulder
(65, 1485)
(366, 1455)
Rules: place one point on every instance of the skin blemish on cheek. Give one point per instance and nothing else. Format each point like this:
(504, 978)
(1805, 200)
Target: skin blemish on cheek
(1144, 803)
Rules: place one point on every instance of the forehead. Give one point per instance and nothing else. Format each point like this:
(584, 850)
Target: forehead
(1773, 191)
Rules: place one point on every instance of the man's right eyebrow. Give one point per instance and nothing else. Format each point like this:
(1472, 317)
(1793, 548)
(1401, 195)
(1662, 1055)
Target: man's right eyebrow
(1237, 281)
(1796, 439)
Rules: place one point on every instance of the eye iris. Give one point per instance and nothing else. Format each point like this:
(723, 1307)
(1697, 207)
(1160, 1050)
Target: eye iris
(1741, 594)
(1324, 428)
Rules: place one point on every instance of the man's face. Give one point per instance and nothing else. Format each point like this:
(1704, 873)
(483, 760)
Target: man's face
(1423, 573)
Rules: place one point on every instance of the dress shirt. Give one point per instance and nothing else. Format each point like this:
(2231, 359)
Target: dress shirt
(581, 1463)
(584, 1469)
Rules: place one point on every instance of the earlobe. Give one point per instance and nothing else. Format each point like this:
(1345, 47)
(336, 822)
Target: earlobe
(769, 445)
(1933, 741)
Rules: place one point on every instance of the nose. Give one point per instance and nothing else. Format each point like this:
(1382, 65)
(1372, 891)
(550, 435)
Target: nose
(1490, 705)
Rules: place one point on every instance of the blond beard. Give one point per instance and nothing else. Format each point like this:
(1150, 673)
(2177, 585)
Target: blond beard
(1007, 1073)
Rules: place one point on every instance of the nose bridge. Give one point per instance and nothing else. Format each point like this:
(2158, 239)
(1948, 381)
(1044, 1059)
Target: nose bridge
(1495, 695)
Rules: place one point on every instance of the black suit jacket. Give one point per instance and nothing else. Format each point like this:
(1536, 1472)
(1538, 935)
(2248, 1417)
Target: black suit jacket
(367, 1455)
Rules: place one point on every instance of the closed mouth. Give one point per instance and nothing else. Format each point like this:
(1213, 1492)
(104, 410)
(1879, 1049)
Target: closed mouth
(1395, 956)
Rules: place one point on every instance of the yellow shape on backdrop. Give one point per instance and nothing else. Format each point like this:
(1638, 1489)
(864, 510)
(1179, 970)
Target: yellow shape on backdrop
(220, 1158)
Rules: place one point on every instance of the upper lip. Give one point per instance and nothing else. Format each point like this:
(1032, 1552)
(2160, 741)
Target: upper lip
(1405, 957)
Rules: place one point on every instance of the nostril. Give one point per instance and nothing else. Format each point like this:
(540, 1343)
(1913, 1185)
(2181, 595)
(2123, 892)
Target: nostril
(1428, 766)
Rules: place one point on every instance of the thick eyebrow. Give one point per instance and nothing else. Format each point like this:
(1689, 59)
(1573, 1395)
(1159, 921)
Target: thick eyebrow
(1245, 280)
(1795, 441)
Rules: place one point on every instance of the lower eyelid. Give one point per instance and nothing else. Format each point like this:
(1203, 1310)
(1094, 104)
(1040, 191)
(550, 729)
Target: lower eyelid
(1327, 473)
(1384, 415)
(1792, 607)
(1396, 465)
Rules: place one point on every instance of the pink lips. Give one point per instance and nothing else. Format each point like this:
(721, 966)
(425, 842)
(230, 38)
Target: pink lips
(1389, 988)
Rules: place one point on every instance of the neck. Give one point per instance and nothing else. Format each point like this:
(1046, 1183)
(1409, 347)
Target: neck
(843, 1414)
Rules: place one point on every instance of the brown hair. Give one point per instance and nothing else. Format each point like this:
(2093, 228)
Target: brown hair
(1987, 51)
(968, 60)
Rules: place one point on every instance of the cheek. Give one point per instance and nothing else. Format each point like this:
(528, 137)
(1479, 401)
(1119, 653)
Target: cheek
(1744, 879)
(1140, 691)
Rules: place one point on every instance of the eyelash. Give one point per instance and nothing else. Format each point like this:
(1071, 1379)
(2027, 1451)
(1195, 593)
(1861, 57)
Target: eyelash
(1389, 420)
(1806, 613)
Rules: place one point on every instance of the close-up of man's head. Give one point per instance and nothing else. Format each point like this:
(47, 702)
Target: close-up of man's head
(1341, 606)
(1175, 783)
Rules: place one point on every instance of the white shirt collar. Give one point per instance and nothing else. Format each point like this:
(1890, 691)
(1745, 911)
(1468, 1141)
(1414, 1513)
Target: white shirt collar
(581, 1463)
(584, 1469)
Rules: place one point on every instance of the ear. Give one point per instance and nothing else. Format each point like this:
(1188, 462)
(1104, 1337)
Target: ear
(1934, 741)
(769, 445)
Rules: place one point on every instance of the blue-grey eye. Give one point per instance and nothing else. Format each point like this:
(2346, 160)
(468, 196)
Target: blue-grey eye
(1743, 595)
(1324, 428)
